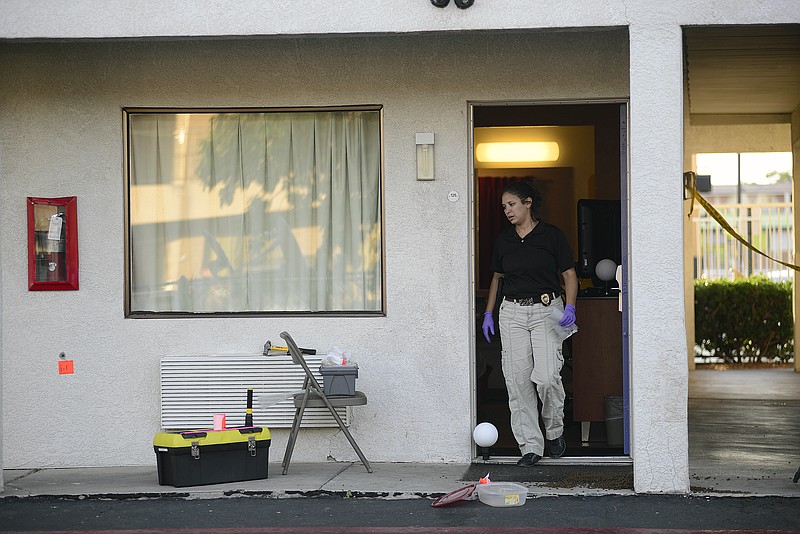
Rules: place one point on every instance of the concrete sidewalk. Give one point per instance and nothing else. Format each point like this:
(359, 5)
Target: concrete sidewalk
(303, 479)
(744, 427)
(389, 480)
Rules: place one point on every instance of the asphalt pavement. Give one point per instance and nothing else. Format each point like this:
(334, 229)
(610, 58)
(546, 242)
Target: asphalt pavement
(559, 513)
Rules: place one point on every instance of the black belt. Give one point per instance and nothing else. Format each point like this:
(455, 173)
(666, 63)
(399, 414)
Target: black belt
(544, 298)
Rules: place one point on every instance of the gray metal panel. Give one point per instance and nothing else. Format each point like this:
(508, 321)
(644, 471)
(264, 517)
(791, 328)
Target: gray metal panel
(194, 388)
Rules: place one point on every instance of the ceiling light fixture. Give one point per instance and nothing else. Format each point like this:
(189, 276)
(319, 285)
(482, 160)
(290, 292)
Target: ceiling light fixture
(519, 152)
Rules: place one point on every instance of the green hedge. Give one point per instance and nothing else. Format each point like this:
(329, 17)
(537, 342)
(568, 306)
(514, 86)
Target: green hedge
(745, 320)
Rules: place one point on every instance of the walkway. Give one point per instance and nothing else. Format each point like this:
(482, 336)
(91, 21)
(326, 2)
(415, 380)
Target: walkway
(744, 431)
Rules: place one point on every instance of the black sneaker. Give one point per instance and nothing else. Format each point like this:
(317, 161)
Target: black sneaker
(555, 448)
(529, 459)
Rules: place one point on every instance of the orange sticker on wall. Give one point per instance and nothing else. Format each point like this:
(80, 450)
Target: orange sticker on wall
(66, 367)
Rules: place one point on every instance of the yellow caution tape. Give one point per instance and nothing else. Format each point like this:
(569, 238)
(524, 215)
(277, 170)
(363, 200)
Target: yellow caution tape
(690, 182)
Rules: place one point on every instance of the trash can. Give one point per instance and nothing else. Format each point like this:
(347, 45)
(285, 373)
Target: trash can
(615, 428)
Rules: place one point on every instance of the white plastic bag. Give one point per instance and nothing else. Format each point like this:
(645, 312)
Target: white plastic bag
(271, 399)
(563, 332)
(336, 356)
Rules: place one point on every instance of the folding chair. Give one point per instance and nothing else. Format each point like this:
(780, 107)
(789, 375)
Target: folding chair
(313, 396)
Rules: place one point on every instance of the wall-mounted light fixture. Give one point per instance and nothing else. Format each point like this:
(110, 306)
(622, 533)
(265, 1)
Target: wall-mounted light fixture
(517, 152)
(464, 4)
(425, 167)
(461, 4)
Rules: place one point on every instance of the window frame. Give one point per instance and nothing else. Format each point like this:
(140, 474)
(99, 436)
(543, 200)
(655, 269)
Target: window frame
(126, 163)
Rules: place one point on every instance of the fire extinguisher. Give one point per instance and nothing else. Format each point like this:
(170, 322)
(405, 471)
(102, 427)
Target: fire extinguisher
(50, 249)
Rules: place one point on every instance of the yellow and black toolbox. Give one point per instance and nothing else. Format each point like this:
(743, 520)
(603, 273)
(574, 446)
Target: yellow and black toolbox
(198, 457)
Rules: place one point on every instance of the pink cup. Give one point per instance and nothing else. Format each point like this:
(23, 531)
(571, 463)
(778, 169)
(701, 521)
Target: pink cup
(219, 421)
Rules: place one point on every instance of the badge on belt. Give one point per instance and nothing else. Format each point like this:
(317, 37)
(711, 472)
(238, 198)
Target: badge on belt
(545, 298)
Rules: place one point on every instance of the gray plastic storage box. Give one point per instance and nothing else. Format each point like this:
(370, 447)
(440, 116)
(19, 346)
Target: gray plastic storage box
(339, 379)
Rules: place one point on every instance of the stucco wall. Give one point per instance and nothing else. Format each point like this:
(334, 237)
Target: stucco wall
(61, 134)
(148, 18)
(26, 19)
(658, 372)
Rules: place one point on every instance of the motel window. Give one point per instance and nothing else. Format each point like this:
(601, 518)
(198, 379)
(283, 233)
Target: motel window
(254, 212)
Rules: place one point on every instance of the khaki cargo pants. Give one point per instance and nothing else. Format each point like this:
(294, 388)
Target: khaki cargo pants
(532, 362)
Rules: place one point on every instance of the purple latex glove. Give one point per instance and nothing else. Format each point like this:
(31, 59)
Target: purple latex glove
(488, 326)
(569, 316)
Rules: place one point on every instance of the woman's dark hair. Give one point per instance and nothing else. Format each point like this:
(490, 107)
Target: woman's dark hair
(525, 190)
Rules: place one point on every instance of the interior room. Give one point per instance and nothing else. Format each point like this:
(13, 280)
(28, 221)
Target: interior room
(581, 184)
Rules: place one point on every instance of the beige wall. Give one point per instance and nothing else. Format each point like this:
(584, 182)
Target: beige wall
(738, 138)
(61, 134)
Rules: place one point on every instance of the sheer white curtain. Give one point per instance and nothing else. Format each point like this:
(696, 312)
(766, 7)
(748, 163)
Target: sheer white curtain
(252, 212)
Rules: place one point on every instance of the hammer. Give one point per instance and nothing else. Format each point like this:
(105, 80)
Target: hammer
(269, 346)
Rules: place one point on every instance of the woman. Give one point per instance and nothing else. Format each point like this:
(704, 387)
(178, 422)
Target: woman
(529, 256)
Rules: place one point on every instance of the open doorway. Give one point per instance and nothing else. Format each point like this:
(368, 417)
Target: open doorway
(584, 191)
(741, 137)
(742, 105)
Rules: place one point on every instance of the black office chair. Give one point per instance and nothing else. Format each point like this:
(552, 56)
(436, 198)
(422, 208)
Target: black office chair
(313, 396)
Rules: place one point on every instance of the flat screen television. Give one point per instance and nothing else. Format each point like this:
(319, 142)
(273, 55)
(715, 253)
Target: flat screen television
(599, 231)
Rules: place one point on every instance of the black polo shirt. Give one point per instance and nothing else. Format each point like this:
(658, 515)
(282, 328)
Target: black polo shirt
(532, 264)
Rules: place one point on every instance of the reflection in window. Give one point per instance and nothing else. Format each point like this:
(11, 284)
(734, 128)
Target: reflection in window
(255, 212)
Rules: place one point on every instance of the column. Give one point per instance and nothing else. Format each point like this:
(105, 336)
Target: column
(658, 370)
